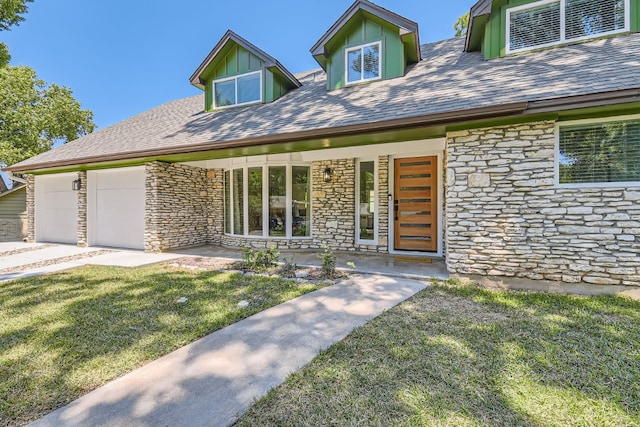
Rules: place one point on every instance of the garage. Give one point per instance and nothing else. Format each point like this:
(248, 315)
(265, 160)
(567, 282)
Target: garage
(56, 205)
(115, 208)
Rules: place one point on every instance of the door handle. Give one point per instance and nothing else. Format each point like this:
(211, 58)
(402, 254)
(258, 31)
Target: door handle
(395, 209)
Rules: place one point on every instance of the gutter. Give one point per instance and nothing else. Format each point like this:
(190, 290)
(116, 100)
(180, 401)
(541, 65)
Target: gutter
(515, 109)
(12, 177)
(322, 133)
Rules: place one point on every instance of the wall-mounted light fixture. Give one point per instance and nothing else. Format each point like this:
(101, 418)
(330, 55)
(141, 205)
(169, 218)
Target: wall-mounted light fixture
(75, 185)
(328, 174)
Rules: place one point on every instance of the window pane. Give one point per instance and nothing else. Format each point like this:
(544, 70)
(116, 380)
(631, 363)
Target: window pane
(367, 200)
(227, 202)
(249, 88)
(225, 93)
(255, 201)
(590, 17)
(535, 26)
(277, 201)
(371, 62)
(598, 153)
(354, 66)
(300, 190)
(238, 202)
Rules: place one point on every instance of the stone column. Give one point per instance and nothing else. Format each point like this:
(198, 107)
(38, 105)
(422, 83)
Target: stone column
(333, 204)
(31, 208)
(82, 210)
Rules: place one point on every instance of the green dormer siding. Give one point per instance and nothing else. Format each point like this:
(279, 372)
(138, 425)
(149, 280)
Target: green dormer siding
(495, 37)
(364, 29)
(236, 61)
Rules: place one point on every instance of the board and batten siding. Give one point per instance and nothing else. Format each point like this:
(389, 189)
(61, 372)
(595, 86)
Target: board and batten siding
(361, 30)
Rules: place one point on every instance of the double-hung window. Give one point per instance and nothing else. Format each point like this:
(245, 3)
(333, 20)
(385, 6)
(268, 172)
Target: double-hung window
(268, 201)
(237, 90)
(599, 153)
(551, 22)
(364, 63)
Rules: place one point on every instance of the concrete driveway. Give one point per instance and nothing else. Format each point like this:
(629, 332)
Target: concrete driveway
(18, 259)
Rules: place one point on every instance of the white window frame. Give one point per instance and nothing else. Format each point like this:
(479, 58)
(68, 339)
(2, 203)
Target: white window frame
(226, 79)
(563, 39)
(588, 184)
(376, 202)
(265, 200)
(361, 48)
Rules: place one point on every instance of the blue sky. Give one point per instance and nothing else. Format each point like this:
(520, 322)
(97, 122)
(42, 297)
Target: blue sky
(122, 57)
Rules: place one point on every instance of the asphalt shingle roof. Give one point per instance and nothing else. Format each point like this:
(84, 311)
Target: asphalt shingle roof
(446, 80)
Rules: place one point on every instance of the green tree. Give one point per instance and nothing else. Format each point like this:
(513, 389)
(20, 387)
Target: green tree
(461, 25)
(11, 12)
(33, 114)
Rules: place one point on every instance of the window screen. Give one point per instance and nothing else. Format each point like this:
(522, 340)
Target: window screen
(591, 17)
(535, 26)
(540, 24)
(600, 153)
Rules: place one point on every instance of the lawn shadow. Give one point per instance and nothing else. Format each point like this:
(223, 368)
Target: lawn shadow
(216, 379)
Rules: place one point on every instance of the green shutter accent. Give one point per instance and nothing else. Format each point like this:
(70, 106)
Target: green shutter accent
(366, 28)
(635, 15)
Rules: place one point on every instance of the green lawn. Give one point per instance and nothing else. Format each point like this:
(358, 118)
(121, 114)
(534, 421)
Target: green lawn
(457, 355)
(66, 334)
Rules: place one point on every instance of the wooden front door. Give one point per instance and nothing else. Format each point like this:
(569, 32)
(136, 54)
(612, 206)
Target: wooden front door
(415, 204)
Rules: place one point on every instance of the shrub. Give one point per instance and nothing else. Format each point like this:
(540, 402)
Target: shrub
(328, 262)
(261, 259)
(288, 269)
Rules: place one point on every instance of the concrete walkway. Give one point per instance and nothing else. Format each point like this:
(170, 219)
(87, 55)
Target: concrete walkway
(34, 259)
(213, 381)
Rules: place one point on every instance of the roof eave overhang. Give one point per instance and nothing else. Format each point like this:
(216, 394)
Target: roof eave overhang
(481, 8)
(515, 109)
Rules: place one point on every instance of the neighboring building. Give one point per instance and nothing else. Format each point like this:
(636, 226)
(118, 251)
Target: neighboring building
(511, 153)
(13, 213)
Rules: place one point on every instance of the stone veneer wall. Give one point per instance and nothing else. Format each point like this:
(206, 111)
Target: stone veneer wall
(505, 216)
(13, 229)
(179, 206)
(82, 209)
(333, 204)
(31, 208)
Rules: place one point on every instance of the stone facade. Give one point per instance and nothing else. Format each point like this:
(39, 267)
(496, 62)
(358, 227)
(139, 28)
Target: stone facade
(333, 204)
(506, 217)
(13, 229)
(82, 209)
(179, 206)
(31, 208)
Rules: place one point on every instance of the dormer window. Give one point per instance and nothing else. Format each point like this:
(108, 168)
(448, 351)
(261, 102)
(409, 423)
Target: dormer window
(552, 22)
(237, 90)
(363, 63)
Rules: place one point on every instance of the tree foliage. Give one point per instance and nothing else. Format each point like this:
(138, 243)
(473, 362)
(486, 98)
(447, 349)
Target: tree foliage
(11, 12)
(34, 115)
(461, 25)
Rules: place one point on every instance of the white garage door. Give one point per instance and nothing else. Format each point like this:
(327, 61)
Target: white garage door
(118, 215)
(56, 206)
